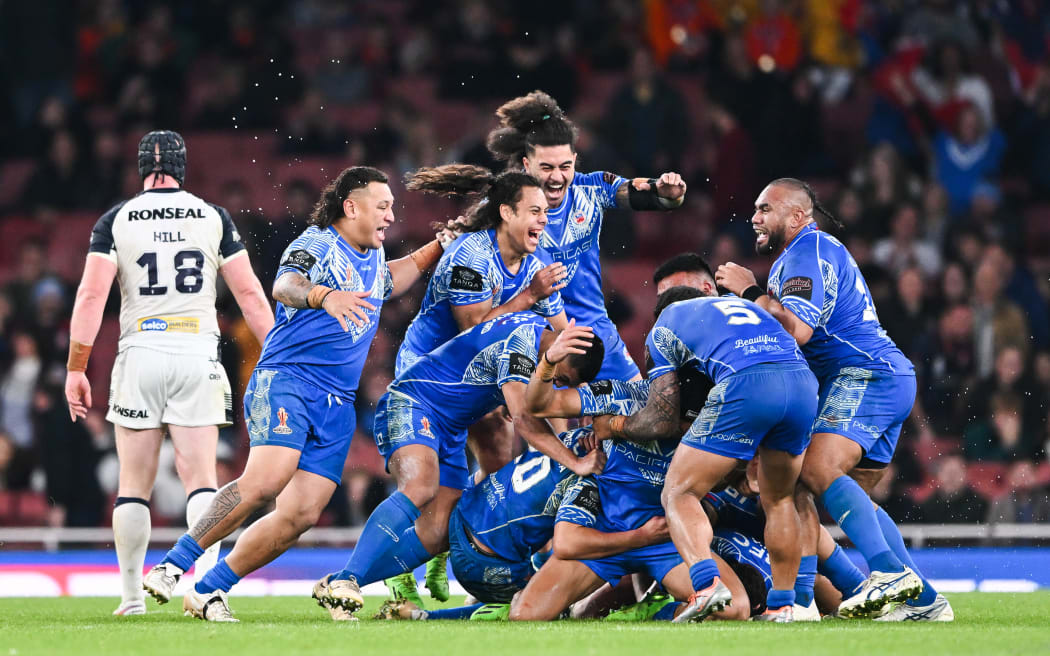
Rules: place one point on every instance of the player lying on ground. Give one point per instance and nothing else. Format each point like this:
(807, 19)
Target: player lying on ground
(421, 425)
(763, 401)
(494, 268)
(167, 247)
(299, 404)
(536, 136)
(867, 390)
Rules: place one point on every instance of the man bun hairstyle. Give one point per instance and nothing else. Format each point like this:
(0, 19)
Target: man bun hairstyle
(464, 181)
(329, 207)
(830, 222)
(527, 122)
(162, 152)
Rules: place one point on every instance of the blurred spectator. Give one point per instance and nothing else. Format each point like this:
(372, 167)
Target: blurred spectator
(1022, 289)
(1026, 501)
(950, 368)
(883, 181)
(946, 83)
(967, 157)
(312, 131)
(953, 500)
(908, 317)
(904, 248)
(997, 321)
(1012, 377)
(342, 77)
(7, 457)
(1002, 436)
(646, 121)
(62, 181)
(16, 399)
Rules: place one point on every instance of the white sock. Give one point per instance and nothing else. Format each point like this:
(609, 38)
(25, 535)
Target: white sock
(195, 506)
(131, 529)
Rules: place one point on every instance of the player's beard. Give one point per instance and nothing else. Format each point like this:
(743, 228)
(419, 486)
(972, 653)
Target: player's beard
(774, 242)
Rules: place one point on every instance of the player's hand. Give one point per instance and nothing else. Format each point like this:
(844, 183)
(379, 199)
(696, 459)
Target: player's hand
(734, 277)
(669, 185)
(592, 463)
(451, 231)
(602, 427)
(348, 305)
(574, 339)
(548, 280)
(655, 531)
(588, 443)
(78, 394)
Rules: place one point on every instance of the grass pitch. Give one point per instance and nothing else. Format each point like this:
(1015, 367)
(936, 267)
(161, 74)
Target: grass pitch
(985, 624)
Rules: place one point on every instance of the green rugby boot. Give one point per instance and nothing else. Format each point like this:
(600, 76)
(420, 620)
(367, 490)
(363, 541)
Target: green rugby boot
(403, 587)
(436, 579)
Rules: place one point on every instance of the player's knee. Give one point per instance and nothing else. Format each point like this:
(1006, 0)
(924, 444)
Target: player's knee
(420, 491)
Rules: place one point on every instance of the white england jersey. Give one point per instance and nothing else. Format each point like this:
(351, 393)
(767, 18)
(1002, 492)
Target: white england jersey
(168, 246)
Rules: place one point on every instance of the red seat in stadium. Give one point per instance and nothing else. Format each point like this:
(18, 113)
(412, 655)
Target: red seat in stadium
(23, 508)
(69, 246)
(987, 479)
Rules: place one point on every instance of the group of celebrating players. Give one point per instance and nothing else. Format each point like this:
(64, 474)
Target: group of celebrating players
(686, 495)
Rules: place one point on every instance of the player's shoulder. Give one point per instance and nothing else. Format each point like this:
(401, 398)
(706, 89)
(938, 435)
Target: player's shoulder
(473, 247)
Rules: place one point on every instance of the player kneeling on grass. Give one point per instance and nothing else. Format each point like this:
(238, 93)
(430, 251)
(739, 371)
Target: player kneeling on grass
(299, 405)
(421, 430)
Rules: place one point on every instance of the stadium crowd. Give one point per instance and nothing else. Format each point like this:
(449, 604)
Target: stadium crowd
(923, 124)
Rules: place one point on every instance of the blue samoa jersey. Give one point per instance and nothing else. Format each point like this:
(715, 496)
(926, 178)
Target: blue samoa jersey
(461, 381)
(818, 280)
(737, 512)
(718, 337)
(571, 237)
(472, 271)
(312, 345)
(512, 510)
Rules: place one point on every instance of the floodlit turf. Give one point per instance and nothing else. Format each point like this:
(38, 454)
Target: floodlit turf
(985, 624)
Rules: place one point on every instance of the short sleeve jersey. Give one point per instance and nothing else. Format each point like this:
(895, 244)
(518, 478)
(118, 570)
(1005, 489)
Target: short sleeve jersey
(819, 282)
(462, 380)
(168, 246)
(512, 510)
(472, 271)
(311, 344)
(719, 337)
(572, 238)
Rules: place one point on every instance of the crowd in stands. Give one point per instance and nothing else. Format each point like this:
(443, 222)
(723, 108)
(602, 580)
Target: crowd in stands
(923, 124)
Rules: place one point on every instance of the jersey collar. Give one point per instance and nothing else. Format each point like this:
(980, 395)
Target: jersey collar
(808, 228)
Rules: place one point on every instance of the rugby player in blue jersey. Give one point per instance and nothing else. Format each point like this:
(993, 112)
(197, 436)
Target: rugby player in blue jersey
(421, 425)
(494, 268)
(867, 390)
(299, 404)
(537, 136)
(763, 401)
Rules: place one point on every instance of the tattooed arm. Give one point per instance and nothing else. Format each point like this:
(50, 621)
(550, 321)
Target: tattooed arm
(291, 289)
(656, 421)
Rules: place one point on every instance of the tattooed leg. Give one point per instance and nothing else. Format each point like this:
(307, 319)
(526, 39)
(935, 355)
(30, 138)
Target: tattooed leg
(267, 472)
(298, 508)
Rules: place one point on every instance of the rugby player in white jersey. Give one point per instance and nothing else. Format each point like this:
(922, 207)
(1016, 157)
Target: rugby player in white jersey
(165, 247)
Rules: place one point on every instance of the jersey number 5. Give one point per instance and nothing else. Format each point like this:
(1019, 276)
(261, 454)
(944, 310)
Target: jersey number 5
(737, 312)
(188, 273)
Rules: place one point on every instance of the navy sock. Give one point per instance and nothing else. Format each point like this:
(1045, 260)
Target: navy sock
(388, 544)
(896, 542)
(666, 614)
(185, 552)
(807, 576)
(843, 574)
(460, 613)
(220, 577)
(849, 505)
(779, 598)
(702, 573)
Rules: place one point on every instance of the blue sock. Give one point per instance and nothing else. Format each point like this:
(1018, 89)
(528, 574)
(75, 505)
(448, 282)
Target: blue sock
(807, 576)
(185, 552)
(843, 574)
(896, 542)
(850, 507)
(666, 614)
(460, 613)
(220, 577)
(703, 573)
(379, 554)
(779, 598)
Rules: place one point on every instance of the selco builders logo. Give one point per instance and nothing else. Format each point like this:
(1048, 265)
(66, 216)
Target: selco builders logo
(169, 325)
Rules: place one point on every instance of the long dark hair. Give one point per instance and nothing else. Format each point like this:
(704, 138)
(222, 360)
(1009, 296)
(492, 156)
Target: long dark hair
(830, 223)
(464, 180)
(527, 122)
(329, 207)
